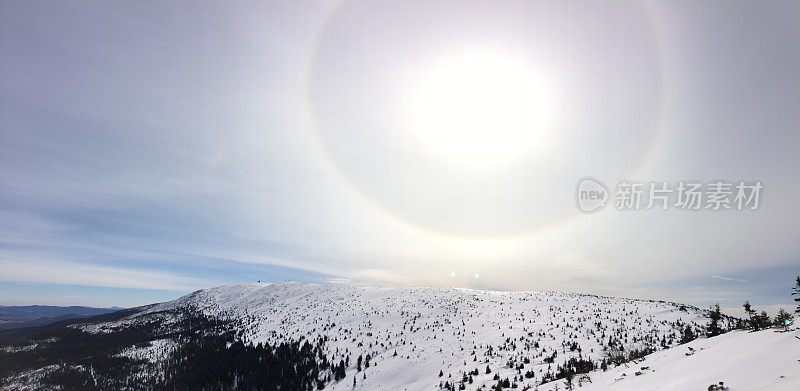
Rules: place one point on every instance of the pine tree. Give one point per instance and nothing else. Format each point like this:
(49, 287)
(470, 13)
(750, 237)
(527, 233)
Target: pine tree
(568, 381)
(782, 320)
(750, 313)
(688, 335)
(796, 292)
(339, 372)
(763, 320)
(716, 315)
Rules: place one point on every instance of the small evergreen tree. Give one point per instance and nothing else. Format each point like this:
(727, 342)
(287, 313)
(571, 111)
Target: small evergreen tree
(796, 292)
(782, 320)
(761, 321)
(714, 328)
(688, 335)
(750, 313)
(568, 380)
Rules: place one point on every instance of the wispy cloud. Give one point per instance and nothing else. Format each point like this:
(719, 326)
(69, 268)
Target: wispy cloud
(730, 279)
(68, 273)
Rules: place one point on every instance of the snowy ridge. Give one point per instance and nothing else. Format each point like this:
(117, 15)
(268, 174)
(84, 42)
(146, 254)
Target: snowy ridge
(341, 337)
(413, 334)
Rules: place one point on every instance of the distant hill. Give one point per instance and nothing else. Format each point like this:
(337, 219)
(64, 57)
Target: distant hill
(340, 337)
(14, 317)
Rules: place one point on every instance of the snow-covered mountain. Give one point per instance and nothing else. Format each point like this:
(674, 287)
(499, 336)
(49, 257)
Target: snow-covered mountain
(453, 331)
(411, 339)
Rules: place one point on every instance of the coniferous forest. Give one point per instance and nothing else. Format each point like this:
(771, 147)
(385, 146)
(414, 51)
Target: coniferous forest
(208, 356)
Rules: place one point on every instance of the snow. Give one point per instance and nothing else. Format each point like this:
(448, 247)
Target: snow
(763, 360)
(438, 329)
(27, 348)
(29, 381)
(456, 331)
(152, 352)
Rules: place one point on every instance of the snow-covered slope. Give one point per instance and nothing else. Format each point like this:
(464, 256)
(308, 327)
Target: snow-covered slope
(413, 334)
(741, 360)
(440, 338)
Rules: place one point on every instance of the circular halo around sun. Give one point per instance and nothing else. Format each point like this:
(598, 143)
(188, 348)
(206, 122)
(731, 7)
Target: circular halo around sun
(476, 119)
(480, 109)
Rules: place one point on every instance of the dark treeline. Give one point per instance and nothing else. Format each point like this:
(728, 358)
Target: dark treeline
(208, 356)
(208, 363)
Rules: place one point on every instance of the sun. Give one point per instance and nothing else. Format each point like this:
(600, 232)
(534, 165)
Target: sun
(480, 110)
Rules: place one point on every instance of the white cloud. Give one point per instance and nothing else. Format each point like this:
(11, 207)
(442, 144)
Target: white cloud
(68, 273)
(730, 279)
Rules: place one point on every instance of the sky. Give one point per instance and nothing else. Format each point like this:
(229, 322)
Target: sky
(149, 149)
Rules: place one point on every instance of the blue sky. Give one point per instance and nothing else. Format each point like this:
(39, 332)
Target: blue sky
(148, 150)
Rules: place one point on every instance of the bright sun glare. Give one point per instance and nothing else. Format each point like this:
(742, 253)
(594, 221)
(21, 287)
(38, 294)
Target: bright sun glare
(480, 110)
